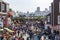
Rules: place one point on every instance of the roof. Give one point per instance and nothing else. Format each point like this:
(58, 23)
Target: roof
(48, 14)
(4, 2)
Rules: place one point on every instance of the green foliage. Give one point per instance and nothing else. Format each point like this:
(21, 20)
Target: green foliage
(41, 17)
(22, 20)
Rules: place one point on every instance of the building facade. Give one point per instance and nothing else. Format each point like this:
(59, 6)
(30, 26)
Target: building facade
(55, 14)
(4, 7)
(6, 13)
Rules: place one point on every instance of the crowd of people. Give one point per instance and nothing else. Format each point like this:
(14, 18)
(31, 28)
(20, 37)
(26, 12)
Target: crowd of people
(36, 31)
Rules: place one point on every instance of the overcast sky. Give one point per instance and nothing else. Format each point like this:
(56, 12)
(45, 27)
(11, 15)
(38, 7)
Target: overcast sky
(28, 5)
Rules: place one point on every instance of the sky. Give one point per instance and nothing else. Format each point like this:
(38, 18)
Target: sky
(28, 5)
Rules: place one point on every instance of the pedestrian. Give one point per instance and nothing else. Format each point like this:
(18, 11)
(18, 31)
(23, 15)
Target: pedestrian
(10, 37)
(16, 37)
(35, 37)
(57, 37)
(30, 33)
(18, 32)
(13, 37)
(4, 38)
(48, 30)
(43, 37)
(19, 38)
(28, 38)
(22, 39)
(52, 36)
(40, 34)
(47, 38)
(25, 36)
(12, 25)
(42, 25)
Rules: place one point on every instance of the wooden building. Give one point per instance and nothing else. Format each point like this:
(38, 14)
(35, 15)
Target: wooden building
(54, 17)
(5, 12)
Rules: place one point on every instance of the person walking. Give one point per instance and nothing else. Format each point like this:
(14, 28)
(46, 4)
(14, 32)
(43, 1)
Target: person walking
(4, 38)
(57, 37)
(19, 38)
(36, 37)
(10, 37)
(43, 37)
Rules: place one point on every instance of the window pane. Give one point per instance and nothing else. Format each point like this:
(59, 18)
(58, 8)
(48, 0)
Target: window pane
(58, 19)
(59, 7)
(48, 18)
(3, 7)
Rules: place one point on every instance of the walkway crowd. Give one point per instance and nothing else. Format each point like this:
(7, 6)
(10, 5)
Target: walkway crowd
(36, 31)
